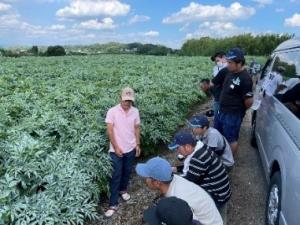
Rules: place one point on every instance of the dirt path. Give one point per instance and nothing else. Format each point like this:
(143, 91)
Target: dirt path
(247, 203)
(245, 208)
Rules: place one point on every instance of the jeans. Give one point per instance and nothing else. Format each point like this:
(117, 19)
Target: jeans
(229, 124)
(122, 167)
(216, 107)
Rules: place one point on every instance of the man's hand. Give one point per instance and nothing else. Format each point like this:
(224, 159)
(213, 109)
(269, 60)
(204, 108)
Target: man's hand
(119, 152)
(138, 151)
(174, 169)
(248, 102)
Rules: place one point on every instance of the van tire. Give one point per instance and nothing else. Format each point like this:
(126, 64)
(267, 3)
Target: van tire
(273, 204)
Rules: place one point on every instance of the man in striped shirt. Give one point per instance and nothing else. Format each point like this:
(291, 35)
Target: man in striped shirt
(203, 167)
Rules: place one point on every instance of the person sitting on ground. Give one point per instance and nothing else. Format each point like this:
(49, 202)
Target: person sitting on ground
(170, 210)
(202, 166)
(212, 138)
(159, 176)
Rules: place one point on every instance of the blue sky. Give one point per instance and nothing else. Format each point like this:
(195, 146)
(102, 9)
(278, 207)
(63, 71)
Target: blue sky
(168, 22)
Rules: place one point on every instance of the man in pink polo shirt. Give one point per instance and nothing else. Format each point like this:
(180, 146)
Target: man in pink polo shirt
(123, 127)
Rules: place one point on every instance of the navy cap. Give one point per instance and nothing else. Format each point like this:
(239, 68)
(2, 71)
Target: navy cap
(170, 211)
(199, 121)
(182, 138)
(156, 168)
(235, 53)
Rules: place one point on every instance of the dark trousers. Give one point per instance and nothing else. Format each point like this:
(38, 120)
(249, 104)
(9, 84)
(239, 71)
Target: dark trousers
(229, 124)
(122, 167)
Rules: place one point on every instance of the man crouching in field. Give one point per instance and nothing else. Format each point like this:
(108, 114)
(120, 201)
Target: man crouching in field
(123, 127)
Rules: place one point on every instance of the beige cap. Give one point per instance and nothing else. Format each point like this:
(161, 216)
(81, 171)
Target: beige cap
(127, 94)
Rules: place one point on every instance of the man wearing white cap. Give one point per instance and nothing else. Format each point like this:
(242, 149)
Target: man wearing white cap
(123, 128)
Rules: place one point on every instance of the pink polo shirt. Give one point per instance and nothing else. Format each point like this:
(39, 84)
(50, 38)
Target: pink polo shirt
(123, 126)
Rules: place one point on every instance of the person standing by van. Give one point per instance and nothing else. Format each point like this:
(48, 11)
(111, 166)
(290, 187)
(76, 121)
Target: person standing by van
(219, 58)
(219, 71)
(236, 97)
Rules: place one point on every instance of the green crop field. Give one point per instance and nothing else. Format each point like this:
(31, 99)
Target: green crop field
(53, 144)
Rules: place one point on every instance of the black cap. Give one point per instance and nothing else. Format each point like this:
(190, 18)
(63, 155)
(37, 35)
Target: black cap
(217, 54)
(169, 211)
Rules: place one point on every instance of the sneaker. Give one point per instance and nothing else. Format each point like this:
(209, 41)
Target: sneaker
(111, 211)
(125, 196)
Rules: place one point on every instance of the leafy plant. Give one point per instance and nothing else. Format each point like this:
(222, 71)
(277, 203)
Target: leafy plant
(53, 143)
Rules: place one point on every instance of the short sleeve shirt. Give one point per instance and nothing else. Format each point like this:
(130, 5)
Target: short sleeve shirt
(236, 88)
(124, 124)
(218, 81)
(213, 138)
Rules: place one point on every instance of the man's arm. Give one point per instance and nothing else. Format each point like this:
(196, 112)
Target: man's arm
(196, 171)
(247, 92)
(213, 144)
(137, 131)
(111, 136)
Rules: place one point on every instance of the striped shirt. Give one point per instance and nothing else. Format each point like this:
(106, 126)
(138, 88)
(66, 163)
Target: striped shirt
(208, 171)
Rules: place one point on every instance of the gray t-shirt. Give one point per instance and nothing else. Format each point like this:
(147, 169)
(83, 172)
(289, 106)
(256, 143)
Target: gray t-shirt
(214, 139)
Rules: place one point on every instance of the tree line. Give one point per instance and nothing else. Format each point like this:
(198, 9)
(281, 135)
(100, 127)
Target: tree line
(260, 45)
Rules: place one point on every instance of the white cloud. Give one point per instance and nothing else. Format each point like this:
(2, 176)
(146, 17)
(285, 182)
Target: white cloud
(217, 30)
(138, 19)
(293, 21)
(84, 8)
(9, 21)
(57, 27)
(150, 33)
(48, 1)
(262, 3)
(199, 12)
(218, 26)
(185, 27)
(94, 24)
(4, 7)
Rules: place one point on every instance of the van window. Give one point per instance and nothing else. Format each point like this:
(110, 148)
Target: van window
(290, 61)
(267, 68)
(289, 93)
